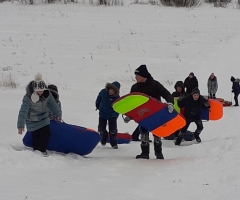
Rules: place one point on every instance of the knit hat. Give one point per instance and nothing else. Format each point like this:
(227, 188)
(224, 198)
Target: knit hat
(142, 71)
(38, 84)
(195, 91)
(192, 74)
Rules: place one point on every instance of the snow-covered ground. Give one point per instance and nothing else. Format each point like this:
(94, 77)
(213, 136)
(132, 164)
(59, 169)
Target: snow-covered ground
(81, 47)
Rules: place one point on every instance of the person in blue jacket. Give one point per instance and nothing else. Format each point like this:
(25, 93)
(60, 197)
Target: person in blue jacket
(34, 113)
(104, 102)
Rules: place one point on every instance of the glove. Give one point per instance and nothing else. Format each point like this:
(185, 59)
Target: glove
(206, 104)
(127, 119)
(170, 107)
(58, 119)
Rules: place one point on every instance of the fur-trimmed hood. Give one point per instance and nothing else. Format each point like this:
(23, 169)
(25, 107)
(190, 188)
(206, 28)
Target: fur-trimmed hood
(234, 79)
(115, 86)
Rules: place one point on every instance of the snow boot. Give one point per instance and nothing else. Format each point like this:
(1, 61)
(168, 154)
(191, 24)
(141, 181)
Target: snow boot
(178, 140)
(113, 140)
(145, 152)
(104, 137)
(158, 147)
(198, 139)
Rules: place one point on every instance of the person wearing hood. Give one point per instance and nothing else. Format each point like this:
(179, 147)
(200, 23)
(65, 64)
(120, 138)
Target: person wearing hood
(192, 112)
(190, 83)
(212, 86)
(235, 89)
(179, 91)
(147, 85)
(54, 91)
(34, 113)
(103, 103)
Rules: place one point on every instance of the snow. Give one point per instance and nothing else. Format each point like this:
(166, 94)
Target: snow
(80, 48)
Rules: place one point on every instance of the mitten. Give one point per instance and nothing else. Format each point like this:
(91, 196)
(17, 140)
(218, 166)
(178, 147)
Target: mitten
(170, 107)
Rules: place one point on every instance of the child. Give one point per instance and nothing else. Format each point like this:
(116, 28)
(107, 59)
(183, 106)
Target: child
(104, 102)
(34, 113)
(54, 91)
(235, 89)
(192, 105)
(179, 91)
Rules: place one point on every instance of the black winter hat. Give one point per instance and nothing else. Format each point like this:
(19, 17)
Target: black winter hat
(232, 79)
(191, 74)
(142, 71)
(195, 91)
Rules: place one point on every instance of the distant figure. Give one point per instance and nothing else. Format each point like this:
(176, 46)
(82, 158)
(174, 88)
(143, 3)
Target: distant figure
(235, 89)
(212, 86)
(190, 83)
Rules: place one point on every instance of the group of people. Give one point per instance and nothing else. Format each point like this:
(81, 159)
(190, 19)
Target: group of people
(41, 104)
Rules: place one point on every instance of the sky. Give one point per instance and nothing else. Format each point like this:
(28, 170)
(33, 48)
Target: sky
(80, 47)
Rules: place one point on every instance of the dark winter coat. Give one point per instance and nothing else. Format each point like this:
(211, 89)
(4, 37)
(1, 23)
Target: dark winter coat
(235, 86)
(154, 89)
(56, 97)
(104, 101)
(192, 108)
(36, 115)
(212, 85)
(190, 84)
(176, 93)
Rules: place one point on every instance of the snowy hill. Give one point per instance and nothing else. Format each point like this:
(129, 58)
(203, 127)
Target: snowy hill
(80, 48)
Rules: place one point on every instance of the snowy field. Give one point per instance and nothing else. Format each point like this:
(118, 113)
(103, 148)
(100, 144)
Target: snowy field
(79, 48)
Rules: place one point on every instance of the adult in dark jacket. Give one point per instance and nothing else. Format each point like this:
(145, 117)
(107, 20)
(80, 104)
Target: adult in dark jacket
(235, 89)
(104, 102)
(212, 86)
(192, 112)
(147, 85)
(190, 83)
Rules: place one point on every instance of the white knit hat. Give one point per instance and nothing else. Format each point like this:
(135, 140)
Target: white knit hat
(38, 84)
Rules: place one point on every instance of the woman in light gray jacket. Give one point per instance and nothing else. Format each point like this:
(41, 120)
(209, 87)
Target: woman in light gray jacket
(34, 113)
(212, 86)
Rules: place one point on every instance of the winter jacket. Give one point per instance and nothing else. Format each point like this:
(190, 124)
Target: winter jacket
(154, 89)
(190, 84)
(192, 108)
(36, 115)
(176, 93)
(212, 85)
(235, 86)
(56, 97)
(104, 101)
